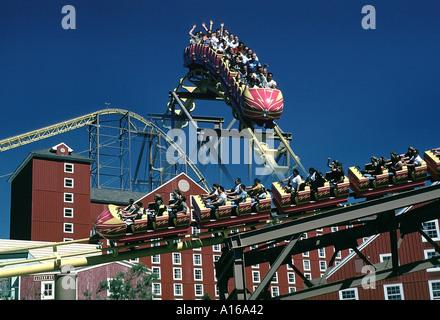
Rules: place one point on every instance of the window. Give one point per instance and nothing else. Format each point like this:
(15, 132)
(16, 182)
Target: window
(68, 227)
(393, 292)
(306, 265)
(274, 278)
(157, 289)
(156, 271)
(291, 277)
(68, 182)
(256, 276)
(178, 289)
(431, 229)
(177, 258)
(68, 213)
(69, 168)
(198, 274)
(321, 252)
(434, 289)
(198, 290)
(155, 258)
(429, 253)
(322, 265)
(177, 273)
(47, 290)
(197, 259)
(274, 291)
(385, 257)
(68, 197)
(349, 294)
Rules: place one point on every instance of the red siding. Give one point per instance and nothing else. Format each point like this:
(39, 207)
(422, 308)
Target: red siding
(48, 201)
(415, 285)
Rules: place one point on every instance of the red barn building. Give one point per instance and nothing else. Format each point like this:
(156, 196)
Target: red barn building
(50, 196)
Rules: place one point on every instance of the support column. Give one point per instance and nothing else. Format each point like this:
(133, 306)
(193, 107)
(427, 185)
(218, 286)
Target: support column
(239, 275)
(65, 284)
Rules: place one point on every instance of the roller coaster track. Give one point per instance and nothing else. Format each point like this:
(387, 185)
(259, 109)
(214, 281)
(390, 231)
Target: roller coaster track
(368, 219)
(91, 119)
(273, 231)
(211, 78)
(110, 254)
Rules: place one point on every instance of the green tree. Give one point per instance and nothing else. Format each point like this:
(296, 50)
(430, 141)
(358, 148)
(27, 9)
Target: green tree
(136, 284)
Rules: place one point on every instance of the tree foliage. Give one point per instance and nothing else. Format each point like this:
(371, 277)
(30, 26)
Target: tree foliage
(136, 284)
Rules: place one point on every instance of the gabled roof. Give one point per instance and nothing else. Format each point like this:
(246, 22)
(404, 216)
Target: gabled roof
(50, 154)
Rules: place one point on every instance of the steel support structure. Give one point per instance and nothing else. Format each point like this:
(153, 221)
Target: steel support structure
(277, 161)
(100, 255)
(382, 218)
(110, 147)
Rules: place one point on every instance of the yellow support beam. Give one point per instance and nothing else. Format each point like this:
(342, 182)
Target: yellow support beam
(106, 258)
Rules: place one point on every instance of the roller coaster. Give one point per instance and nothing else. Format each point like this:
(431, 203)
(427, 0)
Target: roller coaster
(288, 214)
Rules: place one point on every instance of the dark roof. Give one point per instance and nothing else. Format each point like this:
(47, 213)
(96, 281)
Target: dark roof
(50, 155)
(116, 197)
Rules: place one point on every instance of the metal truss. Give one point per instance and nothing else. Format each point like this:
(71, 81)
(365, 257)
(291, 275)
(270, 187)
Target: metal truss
(111, 136)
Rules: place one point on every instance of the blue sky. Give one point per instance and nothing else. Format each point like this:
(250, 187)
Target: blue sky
(349, 93)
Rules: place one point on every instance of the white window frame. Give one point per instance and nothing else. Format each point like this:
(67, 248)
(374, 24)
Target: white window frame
(50, 296)
(67, 226)
(197, 259)
(177, 274)
(157, 289)
(256, 276)
(157, 271)
(291, 278)
(274, 291)
(385, 257)
(385, 291)
(178, 289)
(67, 212)
(66, 197)
(177, 258)
(155, 259)
(306, 265)
(69, 183)
(435, 221)
(429, 253)
(198, 274)
(431, 292)
(69, 167)
(274, 278)
(322, 265)
(198, 290)
(354, 290)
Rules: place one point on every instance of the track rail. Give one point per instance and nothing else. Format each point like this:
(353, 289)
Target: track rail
(90, 119)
